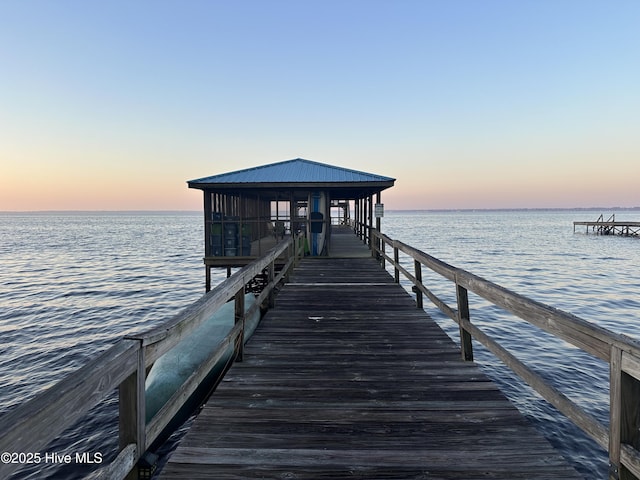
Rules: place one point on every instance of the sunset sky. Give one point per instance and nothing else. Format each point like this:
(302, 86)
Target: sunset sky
(114, 105)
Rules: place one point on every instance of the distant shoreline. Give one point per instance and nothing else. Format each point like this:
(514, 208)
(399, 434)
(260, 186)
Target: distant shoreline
(534, 209)
(101, 212)
(433, 210)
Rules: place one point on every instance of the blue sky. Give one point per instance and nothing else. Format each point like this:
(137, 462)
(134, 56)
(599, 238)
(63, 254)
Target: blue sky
(468, 103)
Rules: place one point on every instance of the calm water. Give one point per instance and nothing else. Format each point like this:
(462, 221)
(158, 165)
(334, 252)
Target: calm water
(72, 284)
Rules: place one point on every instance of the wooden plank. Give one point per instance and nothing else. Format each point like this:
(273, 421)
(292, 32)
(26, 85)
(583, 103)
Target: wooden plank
(615, 411)
(352, 381)
(131, 406)
(615, 224)
(631, 365)
(120, 466)
(629, 418)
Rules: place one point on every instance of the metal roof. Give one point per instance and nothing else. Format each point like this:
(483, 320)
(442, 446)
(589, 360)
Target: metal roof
(294, 171)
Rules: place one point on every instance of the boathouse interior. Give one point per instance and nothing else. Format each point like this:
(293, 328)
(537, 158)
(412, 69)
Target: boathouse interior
(246, 212)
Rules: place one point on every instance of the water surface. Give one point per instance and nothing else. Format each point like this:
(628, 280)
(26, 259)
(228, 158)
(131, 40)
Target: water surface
(73, 284)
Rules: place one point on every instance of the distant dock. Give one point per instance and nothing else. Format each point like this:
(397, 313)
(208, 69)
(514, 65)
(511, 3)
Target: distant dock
(610, 227)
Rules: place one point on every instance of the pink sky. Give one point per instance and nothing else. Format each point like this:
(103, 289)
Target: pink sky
(468, 105)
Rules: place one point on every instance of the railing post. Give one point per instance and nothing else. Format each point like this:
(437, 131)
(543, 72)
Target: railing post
(375, 244)
(615, 395)
(131, 406)
(383, 252)
(271, 273)
(239, 318)
(396, 261)
(466, 348)
(289, 255)
(301, 247)
(418, 271)
(296, 249)
(624, 411)
(369, 219)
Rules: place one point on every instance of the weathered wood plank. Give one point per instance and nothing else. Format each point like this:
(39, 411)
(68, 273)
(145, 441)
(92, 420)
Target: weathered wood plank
(119, 467)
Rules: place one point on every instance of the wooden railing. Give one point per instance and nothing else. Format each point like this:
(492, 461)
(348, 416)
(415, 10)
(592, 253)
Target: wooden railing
(34, 424)
(622, 437)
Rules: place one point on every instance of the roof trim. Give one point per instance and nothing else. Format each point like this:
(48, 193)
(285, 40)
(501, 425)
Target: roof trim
(297, 172)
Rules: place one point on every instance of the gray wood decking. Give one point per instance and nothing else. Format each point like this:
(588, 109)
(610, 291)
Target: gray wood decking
(345, 378)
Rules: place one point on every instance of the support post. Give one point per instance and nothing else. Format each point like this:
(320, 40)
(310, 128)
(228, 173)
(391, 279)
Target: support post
(361, 224)
(615, 395)
(208, 213)
(292, 214)
(375, 247)
(290, 254)
(418, 270)
(365, 216)
(131, 406)
(370, 219)
(378, 226)
(271, 274)
(396, 262)
(356, 215)
(239, 318)
(466, 348)
(624, 423)
(296, 249)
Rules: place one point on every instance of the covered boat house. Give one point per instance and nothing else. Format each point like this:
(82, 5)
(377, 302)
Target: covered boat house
(248, 211)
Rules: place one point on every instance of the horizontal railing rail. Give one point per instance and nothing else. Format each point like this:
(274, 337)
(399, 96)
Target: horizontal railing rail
(622, 353)
(34, 424)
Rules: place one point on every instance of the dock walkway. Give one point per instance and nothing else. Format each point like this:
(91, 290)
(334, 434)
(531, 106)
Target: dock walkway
(346, 378)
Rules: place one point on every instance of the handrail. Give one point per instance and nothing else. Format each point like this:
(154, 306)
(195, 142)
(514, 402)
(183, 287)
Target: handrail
(619, 351)
(34, 424)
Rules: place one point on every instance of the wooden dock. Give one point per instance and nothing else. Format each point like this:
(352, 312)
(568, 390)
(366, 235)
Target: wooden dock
(346, 378)
(610, 227)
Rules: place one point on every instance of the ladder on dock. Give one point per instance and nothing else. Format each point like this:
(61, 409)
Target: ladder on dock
(346, 378)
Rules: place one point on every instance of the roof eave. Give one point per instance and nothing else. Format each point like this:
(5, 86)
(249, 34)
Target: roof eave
(289, 185)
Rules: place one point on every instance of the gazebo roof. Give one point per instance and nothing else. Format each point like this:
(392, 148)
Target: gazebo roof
(295, 173)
